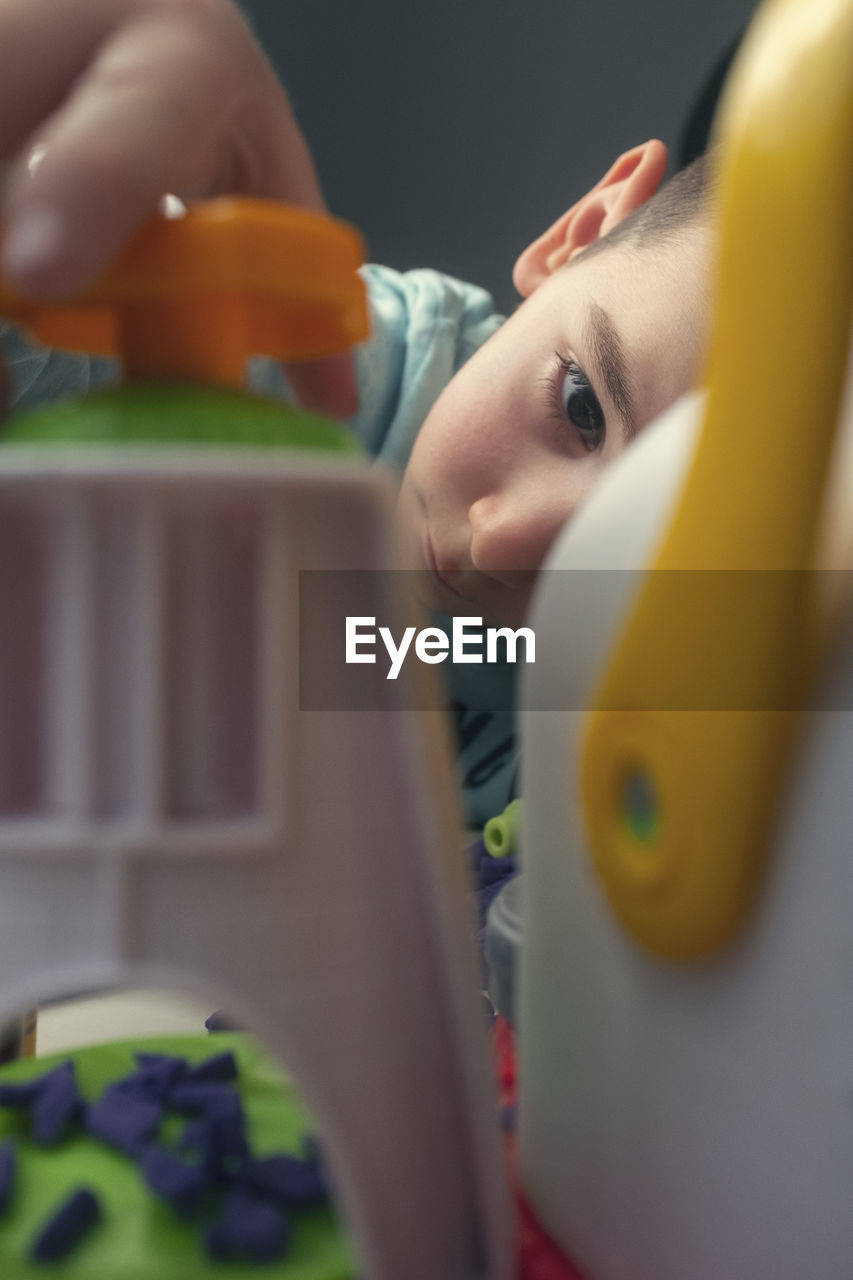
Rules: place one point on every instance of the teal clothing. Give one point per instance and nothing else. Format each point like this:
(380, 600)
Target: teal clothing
(424, 327)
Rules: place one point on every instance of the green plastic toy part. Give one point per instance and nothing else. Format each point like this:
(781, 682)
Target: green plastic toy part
(500, 834)
(184, 307)
(178, 414)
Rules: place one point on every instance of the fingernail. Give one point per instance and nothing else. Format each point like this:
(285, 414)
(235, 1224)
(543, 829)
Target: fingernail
(32, 243)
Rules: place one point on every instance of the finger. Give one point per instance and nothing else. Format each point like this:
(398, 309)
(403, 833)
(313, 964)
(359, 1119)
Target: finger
(38, 68)
(167, 104)
(132, 100)
(326, 386)
(5, 391)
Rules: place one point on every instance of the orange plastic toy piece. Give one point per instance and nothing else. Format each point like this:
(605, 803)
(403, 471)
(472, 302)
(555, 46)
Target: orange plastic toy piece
(192, 297)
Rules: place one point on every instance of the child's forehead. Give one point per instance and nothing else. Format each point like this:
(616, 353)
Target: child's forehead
(648, 248)
(667, 276)
(649, 303)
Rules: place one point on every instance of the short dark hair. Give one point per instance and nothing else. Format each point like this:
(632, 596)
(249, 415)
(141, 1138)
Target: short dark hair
(684, 199)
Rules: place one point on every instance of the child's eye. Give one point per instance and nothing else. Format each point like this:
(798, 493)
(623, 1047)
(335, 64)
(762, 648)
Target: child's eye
(580, 405)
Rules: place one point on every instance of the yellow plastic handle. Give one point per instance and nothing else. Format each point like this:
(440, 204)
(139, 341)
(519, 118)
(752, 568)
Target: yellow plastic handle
(686, 749)
(192, 297)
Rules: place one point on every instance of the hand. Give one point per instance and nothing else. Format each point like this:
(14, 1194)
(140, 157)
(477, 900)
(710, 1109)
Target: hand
(105, 105)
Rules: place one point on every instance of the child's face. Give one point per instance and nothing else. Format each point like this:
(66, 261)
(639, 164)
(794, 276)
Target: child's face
(521, 434)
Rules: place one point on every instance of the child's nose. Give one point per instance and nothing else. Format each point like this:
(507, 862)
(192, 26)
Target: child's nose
(511, 537)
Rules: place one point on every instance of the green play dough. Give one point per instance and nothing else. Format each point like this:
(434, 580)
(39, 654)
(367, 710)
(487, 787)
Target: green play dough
(139, 1236)
(154, 413)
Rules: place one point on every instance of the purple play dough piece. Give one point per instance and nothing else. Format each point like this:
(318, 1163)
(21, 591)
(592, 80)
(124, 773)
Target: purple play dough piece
(53, 1098)
(163, 1061)
(156, 1075)
(22, 1093)
(250, 1229)
(222, 1066)
(63, 1232)
(57, 1102)
(286, 1179)
(123, 1120)
(220, 1142)
(181, 1183)
(8, 1163)
(19, 1093)
(205, 1097)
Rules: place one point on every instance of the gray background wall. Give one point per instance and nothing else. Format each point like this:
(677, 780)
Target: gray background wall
(453, 132)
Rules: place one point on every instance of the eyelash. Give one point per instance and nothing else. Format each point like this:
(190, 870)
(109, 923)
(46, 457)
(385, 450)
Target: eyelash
(564, 365)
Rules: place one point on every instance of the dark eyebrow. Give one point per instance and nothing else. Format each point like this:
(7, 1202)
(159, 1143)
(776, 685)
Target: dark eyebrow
(608, 356)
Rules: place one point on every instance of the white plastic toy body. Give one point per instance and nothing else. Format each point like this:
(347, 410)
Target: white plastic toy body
(680, 1122)
(168, 813)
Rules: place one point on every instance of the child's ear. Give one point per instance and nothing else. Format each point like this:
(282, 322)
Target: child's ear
(630, 182)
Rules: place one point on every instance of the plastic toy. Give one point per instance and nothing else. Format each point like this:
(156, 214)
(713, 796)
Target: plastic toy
(684, 1040)
(171, 818)
(500, 833)
(191, 299)
(683, 1002)
(230, 1174)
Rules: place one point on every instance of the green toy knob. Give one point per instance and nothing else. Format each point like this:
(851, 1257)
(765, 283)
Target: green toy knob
(500, 834)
